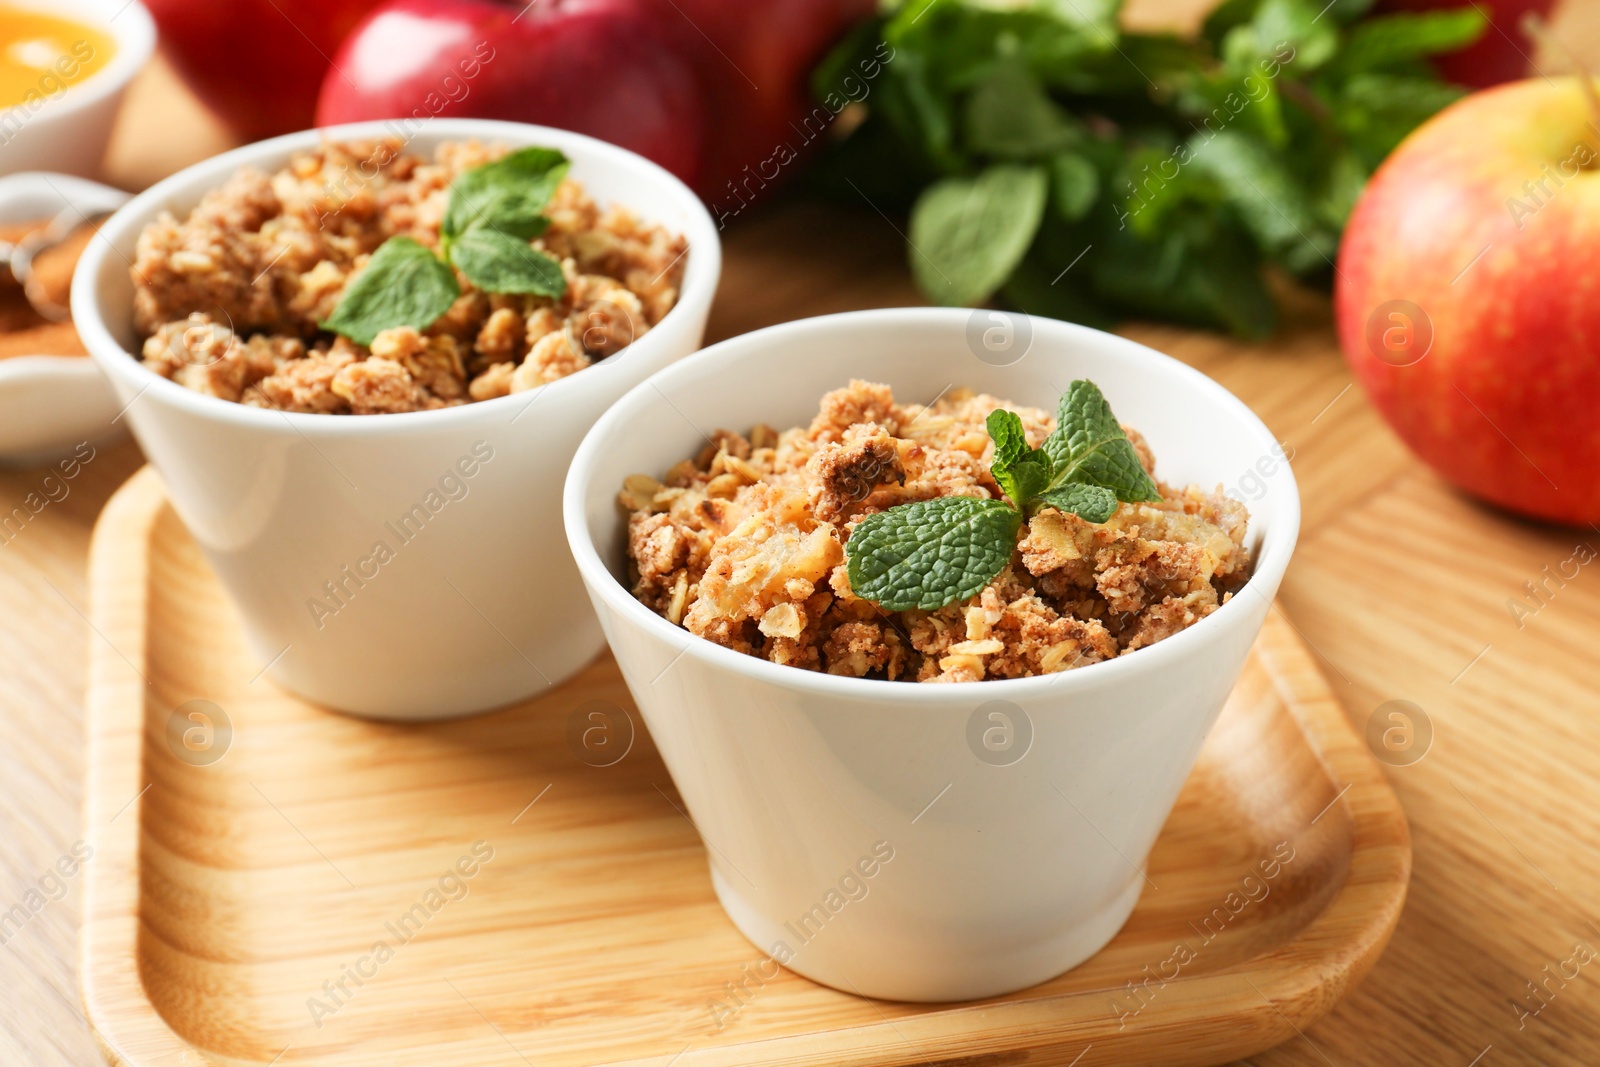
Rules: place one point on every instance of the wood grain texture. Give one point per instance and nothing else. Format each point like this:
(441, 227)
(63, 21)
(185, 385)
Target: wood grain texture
(44, 644)
(1398, 579)
(223, 895)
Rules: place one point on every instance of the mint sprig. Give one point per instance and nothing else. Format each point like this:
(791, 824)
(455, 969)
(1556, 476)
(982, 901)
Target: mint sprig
(494, 211)
(1021, 472)
(1177, 173)
(935, 552)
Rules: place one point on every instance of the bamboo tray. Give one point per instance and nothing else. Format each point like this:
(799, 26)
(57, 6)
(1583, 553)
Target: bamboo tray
(229, 902)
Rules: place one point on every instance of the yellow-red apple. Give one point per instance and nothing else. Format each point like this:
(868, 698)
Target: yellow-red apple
(1468, 296)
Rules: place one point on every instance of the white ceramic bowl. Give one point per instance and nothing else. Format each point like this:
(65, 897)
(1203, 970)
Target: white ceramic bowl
(480, 604)
(51, 404)
(69, 130)
(986, 874)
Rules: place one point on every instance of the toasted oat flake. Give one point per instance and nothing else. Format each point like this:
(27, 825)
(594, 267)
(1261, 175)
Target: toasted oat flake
(680, 597)
(754, 559)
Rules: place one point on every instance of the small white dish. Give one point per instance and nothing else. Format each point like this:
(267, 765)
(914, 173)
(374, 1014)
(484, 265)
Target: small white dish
(476, 602)
(854, 832)
(69, 130)
(51, 404)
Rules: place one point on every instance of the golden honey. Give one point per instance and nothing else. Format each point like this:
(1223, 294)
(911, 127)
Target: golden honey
(42, 55)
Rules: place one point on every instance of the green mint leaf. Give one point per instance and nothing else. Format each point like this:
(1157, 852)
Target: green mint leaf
(403, 284)
(1204, 268)
(509, 194)
(1088, 446)
(526, 227)
(1074, 183)
(931, 553)
(1022, 472)
(497, 262)
(1378, 43)
(839, 74)
(1038, 287)
(1099, 16)
(1348, 11)
(1028, 478)
(1225, 16)
(914, 104)
(905, 19)
(1093, 503)
(1378, 111)
(1010, 440)
(968, 234)
(1276, 23)
(1269, 199)
(1346, 178)
(1009, 115)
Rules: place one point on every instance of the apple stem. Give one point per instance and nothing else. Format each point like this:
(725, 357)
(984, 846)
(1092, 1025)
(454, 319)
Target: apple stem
(1535, 27)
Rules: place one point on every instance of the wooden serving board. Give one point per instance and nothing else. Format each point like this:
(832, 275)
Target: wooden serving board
(235, 906)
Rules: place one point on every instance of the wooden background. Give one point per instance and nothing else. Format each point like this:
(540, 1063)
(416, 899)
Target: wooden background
(1401, 586)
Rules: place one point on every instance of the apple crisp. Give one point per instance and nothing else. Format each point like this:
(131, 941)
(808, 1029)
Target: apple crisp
(228, 301)
(744, 545)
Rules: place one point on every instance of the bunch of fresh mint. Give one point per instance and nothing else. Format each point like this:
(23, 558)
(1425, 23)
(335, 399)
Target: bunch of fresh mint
(1082, 172)
(936, 552)
(494, 211)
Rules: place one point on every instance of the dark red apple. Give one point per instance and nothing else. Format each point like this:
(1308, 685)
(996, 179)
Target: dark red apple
(600, 67)
(755, 60)
(257, 63)
(1466, 296)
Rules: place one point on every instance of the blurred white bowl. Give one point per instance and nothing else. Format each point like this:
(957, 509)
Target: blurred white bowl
(69, 131)
(50, 404)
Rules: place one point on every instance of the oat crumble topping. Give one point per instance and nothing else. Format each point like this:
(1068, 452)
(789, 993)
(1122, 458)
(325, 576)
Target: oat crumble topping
(744, 546)
(227, 301)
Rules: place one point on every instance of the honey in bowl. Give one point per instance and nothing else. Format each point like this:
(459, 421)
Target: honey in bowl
(42, 55)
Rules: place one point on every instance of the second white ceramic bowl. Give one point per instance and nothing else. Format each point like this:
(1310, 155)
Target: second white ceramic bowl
(407, 566)
(925, 842)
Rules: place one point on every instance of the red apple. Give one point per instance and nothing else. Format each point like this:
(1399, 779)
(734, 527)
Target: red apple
(257, 63)
(600, 67)
(755, 62)
(1468, 297)
(1500, 55)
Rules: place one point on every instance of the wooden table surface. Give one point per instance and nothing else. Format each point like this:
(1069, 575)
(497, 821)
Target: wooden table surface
(1401, 585)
